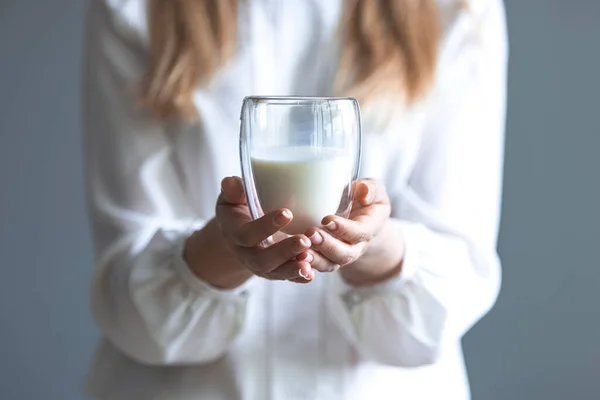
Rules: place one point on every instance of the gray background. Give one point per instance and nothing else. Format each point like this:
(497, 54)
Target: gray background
(541, 340)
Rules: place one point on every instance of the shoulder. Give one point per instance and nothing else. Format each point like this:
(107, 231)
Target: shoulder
(472, 24)
(470, 14)
(477, 9)
(127, 17)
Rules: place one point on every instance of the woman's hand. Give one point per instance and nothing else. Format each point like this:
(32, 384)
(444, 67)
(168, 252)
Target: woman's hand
(247, 239)
(365, 244)
(232, 247)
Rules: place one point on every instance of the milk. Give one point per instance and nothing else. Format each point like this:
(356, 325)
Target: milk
(307, 180)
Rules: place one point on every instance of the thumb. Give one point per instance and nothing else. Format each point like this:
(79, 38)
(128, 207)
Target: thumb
(232, 191)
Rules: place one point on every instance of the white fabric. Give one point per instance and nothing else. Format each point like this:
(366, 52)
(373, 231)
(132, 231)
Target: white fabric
(167, 335)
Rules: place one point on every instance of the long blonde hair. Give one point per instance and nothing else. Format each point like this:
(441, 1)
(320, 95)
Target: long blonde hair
(388, 46)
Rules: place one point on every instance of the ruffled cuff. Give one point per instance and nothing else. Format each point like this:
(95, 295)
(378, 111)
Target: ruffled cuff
(343, 297)
(177, 306)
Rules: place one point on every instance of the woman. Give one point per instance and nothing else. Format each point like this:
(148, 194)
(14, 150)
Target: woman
(180, 290)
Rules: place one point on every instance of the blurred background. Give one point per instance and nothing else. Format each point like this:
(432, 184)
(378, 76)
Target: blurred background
(540, 341)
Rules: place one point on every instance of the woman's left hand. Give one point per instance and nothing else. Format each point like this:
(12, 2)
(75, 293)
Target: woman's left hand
(365, 236)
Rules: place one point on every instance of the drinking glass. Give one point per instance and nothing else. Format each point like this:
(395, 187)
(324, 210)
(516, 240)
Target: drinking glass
(300, 153)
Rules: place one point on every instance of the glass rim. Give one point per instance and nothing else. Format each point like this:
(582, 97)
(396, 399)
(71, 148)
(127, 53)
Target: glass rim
(296, 99)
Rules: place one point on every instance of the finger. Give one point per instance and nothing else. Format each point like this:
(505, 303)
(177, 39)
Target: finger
(356, 231)
(268, 259)
(232, 191)
(244, 232)
(370, 191)
(231, 211)
(334, 249)
(292, 270)
(322, 264)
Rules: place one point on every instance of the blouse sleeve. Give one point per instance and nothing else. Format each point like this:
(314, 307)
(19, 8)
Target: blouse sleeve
(146, 301)
(448, 211)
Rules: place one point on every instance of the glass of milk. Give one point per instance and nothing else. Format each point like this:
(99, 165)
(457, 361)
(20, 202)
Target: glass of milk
(300, 153)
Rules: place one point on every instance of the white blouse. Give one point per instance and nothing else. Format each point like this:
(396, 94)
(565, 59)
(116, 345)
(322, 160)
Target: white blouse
(168, 335)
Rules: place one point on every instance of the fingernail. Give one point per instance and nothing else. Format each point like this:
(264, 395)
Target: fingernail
(369, 195)
(223, 184)
(305, 257)
(332, 226)
(316, 238)
(282, 218)
(303, 274)
(305, 242)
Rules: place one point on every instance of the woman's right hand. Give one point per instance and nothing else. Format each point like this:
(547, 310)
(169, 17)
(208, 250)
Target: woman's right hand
(285, 259)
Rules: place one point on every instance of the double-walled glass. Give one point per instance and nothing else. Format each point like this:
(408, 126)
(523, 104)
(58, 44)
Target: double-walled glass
(300, 153)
